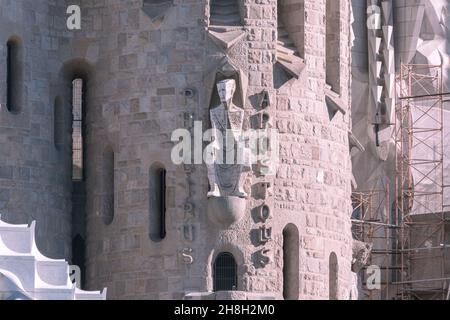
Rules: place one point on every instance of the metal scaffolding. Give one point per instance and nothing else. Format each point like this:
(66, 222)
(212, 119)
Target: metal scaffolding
(371, 223)
(419, 185)
(407, 222)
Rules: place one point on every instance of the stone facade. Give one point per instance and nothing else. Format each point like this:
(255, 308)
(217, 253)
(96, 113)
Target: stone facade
(145, 72)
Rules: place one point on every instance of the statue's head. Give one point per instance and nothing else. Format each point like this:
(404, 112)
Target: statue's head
(226, 89)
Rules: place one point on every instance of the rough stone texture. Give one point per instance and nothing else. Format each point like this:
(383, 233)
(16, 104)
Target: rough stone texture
(138, 72)
(33, 181)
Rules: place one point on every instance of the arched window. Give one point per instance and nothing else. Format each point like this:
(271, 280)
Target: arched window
(291, 247)
(77, 130)
(108, 185)
(14, 75)
(225, 272)
(225, 13)
(58, 122)
(157, 203)
(333, 276)
(333, 43)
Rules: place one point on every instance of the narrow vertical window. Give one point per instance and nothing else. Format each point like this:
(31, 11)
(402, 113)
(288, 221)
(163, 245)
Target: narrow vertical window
(291, 247)
(225, 272)
(157, 203)
(291, 27)
(332, 44)
(77, 130)
(162, 202)
(14, 75)
(333, 277)
(108, 186)
(58, 122)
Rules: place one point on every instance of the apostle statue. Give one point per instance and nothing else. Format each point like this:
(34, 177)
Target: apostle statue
(229, 158)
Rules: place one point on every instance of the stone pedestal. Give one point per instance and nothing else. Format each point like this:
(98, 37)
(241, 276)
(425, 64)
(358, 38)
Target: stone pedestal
(225, 211)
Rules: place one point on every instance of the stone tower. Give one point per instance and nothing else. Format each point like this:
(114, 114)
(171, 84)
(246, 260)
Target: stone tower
(136, 222)
(34, 178)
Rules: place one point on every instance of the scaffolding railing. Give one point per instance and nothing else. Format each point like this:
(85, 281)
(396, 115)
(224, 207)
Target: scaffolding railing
(419, 184)
(372, 223)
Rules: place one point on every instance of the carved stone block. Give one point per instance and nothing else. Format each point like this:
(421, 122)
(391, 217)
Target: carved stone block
(186, 256)
(264, 213)
(264, 234)
(264, 257)
(187, 232)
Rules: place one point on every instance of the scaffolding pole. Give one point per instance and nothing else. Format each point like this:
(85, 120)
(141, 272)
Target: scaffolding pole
(371, 223)
(419, 183)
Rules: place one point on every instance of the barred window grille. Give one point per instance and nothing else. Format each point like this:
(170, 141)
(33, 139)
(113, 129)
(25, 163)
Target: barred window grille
(225, 273)
(77, 130)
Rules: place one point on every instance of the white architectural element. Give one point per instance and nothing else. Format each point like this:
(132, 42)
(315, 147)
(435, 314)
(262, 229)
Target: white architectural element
(25, 274)
(226, 176)
(422, 37)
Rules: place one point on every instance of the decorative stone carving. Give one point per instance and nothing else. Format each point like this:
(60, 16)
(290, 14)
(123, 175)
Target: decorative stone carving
(264, 190)
(264, 167)
(225, 211)
(382, 77)
(226, 69)
(264, 257)
(226, 39)
(264, 121)
(225, 175)
(333, 102)
(264, 99)
(264, 234)
(189, 210)
(263, 212)
(186, 256)
(228, 159)
(361, 254)
(188, 232)
(188, 120)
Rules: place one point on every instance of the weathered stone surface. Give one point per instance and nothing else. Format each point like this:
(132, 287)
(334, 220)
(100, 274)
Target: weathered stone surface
(138, 71)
